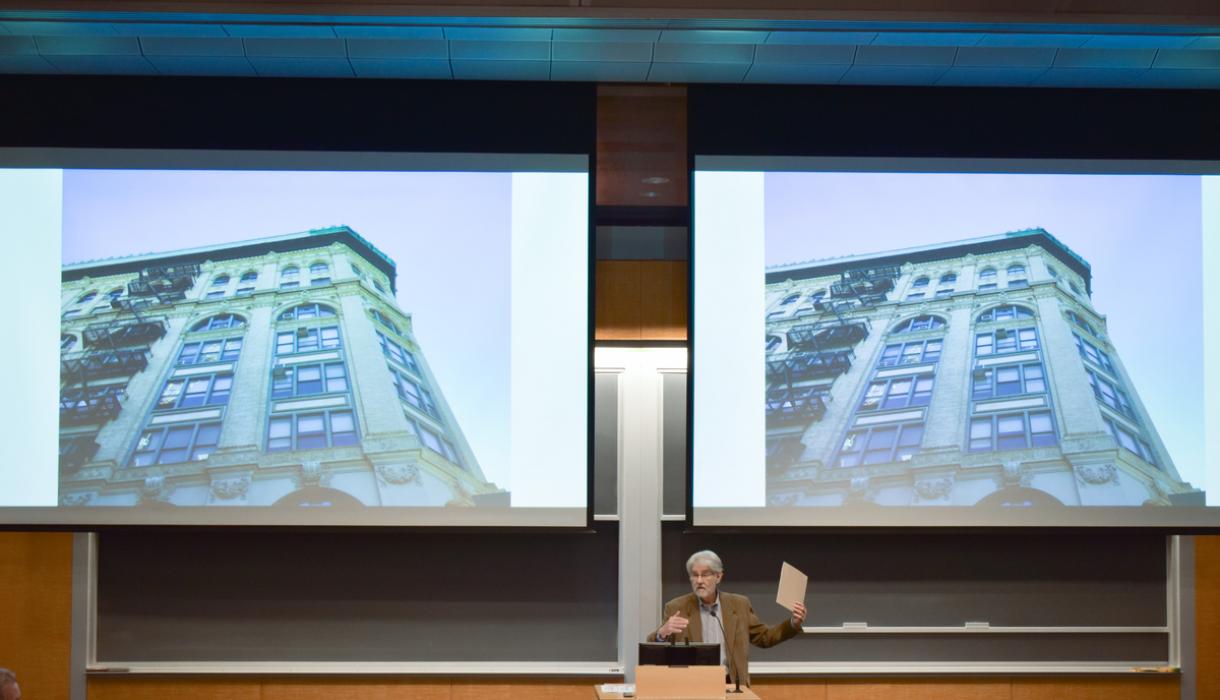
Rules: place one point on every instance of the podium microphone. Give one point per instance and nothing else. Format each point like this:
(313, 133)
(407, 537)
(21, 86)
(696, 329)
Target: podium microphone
(728, 652)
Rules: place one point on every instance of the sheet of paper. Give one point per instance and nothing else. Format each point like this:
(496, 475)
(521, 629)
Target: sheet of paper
(620, 688)
(791, 586)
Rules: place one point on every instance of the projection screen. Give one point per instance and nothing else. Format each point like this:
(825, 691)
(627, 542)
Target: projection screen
(955, 343)
(277, 338)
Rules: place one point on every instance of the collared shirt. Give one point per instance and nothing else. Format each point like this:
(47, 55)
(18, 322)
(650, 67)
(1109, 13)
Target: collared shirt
(712, 626)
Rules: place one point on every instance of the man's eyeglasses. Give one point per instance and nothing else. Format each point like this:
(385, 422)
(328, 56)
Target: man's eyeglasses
(703, 574)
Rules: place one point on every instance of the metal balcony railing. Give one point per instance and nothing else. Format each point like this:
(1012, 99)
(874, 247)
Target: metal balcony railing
(784, 452)
(168, 283)
(802, 405)
(137, 331)
(83, 367)
(75, 452)
(826, 335)
(798, 366)
(88, 405)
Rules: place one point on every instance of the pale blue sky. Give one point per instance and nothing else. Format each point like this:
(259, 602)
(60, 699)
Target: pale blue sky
(448, 233)
(1142, 235)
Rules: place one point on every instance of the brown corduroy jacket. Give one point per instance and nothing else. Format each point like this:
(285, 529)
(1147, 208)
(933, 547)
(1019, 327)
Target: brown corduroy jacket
(741, 628)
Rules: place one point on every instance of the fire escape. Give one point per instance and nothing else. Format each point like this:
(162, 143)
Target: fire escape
(819, 350)
(115, 348)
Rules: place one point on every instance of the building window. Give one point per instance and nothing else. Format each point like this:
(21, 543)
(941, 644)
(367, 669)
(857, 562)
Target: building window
(880, 445)
(1093, 354)
(948, 278)
(307, 311)
(1080, 322)
(920, 283)
(897, 392)
(378, 287)
(1072, 286)
(319, 281)
(357, 271)
(1050, 270)
(1012, 431)
(114, 294)
(249, 277)
(912, 353)
(87, 297)
(398, 353)
(66, 341)
(244, 291)
(790, 299)
(773, 342)
(99, 310)
(1007, 312)
(385, 321)
(219, 322)
(71, 313)
(306, 380)
(307, 431)
(433, 441)
(920, 323)
(1129, 441)
(915, 295)
(944, 291)
(199, 353)
(189, 442)
(319, 269)
(987, 276)
(1109, 394)
(306, 340)
(215, 295)
(189, 392)
(220, 281)
(1005, 340)
(1009, 380)
(414, 394)
(292, 273)
(1016, 276)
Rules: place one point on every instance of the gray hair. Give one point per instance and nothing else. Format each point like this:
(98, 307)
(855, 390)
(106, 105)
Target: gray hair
(708, 557)
(6, 677)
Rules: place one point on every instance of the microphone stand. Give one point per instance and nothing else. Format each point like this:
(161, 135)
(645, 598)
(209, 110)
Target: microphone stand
(728, 652)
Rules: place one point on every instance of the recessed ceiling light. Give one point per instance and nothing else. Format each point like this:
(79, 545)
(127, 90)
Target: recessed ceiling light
(655, 180)
(650, 194)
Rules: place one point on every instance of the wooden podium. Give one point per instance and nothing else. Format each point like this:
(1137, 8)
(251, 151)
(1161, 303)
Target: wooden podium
(680, 683)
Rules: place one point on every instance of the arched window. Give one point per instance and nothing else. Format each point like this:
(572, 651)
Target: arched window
(920, 282)
(357, 271)
(115, 293)
(218, 322)
(1052, 271)
(87, 297)
(773, 342)
(791, 298)
(307, 311)
(319, 268)
(1007, 312)
(290, 272)
(1079, 321)
(1016, 269)
(220, 281)
(925, 322)
(378, 287)
(66, 341)
(948, 278)
(383, 320)
(250, 276)
(1073, 287)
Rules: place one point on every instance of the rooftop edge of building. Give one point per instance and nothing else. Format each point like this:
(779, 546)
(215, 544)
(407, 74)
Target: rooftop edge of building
(288, 242)
(1011, 240)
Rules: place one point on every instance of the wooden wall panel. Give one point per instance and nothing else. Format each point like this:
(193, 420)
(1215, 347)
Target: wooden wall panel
(641, 299)
(1207, 616)
(186, 688)
(919, 689)
(1166, 687)
(36, 610)
(641, 146)
(789, 688)
(355, 689)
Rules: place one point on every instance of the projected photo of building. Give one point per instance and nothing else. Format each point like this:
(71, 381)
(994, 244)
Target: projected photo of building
(271, 371)
(974, 372)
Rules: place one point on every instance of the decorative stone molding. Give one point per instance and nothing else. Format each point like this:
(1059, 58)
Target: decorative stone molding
(75, 500)
(859, 491)
(311, 474)
(397, 474)
(1015, 474)
(1096, 474)
(153, 489)
(783, 500)
(231, 488)
(933, 489)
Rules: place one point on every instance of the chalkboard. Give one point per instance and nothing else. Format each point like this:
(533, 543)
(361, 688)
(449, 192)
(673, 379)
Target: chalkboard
(357, 596)
(943, 580)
